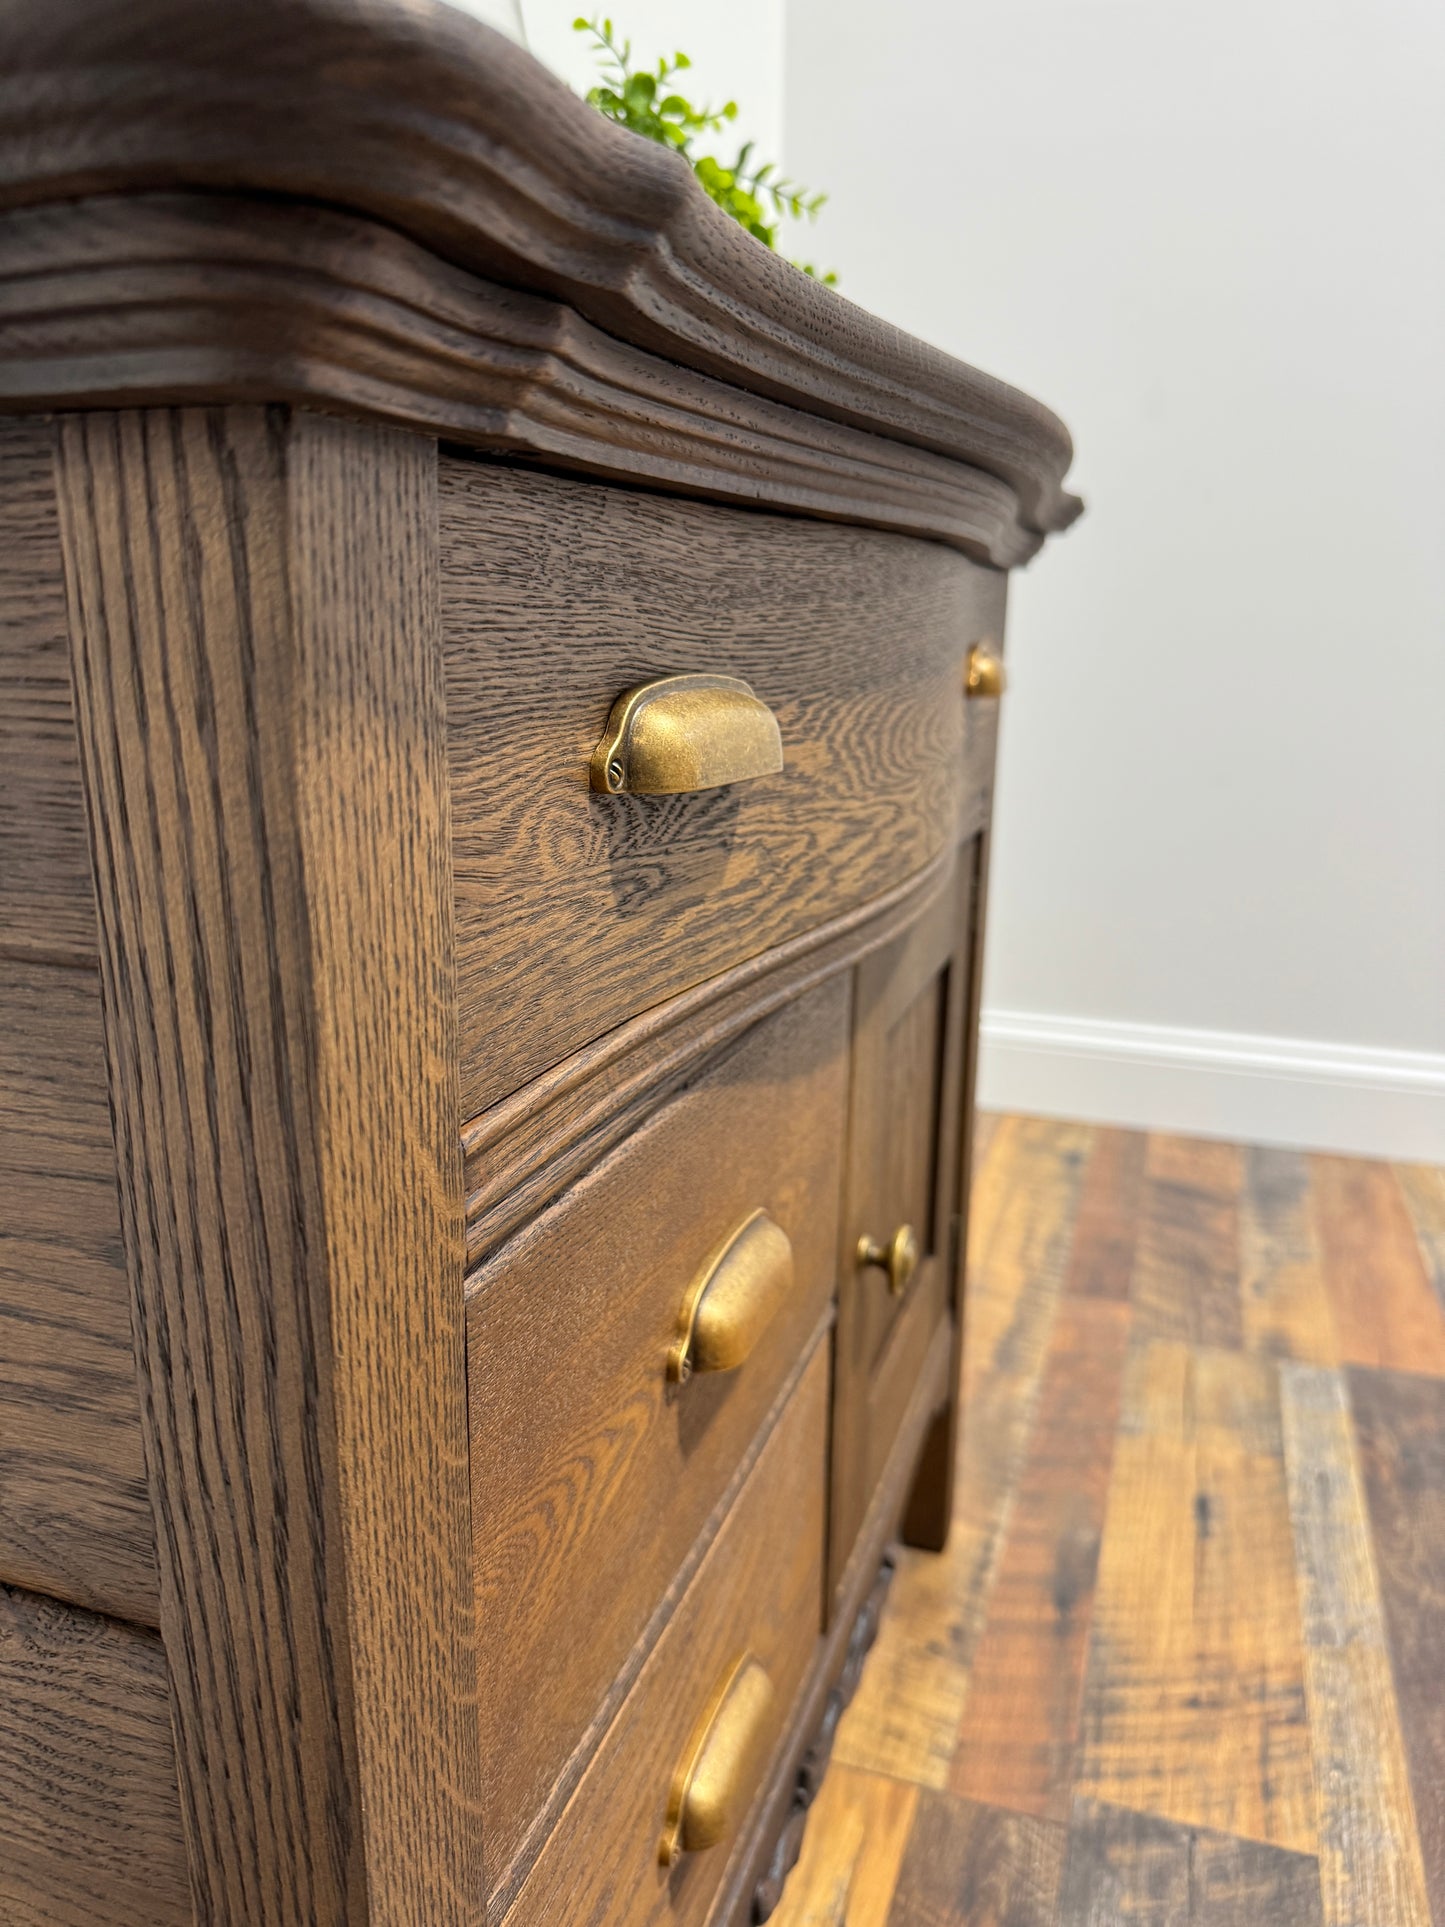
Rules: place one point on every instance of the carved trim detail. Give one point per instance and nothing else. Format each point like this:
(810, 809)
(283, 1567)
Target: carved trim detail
(422, 121)
(524, 1150)
(195, 298)
(814, 1764)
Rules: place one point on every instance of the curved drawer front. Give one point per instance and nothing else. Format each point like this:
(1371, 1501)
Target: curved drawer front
(624, 1351)
(711, 1704)
(560, 597)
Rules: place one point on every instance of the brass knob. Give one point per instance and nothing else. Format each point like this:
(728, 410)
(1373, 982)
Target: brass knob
(681, 733)
(985, 674)
(715, 1783)
(899, 1257)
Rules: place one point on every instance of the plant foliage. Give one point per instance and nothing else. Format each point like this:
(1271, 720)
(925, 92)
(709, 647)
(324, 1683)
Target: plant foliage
(647, 101)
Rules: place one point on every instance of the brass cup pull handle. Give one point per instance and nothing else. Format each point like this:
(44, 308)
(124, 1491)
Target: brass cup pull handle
(899, 1257)
(985, 674)
(682, 733)
(723, 1767)
(732, 1300)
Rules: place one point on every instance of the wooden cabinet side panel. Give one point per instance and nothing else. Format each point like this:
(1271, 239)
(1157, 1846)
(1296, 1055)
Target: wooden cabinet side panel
(90, 1814)
(47, 906)
(253, 620)
(75, 1515)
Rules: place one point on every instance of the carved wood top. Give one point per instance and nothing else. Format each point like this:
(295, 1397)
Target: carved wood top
(458, 163)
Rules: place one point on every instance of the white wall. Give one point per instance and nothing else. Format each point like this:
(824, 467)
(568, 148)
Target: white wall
(1211, 237)
(736, 52)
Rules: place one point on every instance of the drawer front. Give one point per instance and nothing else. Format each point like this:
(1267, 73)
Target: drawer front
(559, 596)
(593, 1469)
(755, 1601)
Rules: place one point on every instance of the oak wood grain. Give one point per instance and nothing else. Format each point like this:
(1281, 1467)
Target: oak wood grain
(90, 1813)
(209, 300)
(1369, 1848)
(254, 624)
(906, 1715)
(425, 122)
(1386, 1311)
(969, 1865)
(1016, 1744)
(634, 898)
(1126, 1869)
(1194, 1706)
(75, 1514)
(905, 1121)
(591, 1483)
(1400, 1423)
(1285, 1308)
(759, 1591)
(47, 905)
(524, 1151)
(1186, 1264)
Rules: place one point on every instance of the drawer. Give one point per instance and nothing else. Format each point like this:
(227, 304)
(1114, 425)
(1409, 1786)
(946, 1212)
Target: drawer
(593, 1470)
(753, 1609)
(557, 597)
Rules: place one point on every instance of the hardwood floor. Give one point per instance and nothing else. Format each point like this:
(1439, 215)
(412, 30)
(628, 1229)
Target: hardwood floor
(1183, 1661)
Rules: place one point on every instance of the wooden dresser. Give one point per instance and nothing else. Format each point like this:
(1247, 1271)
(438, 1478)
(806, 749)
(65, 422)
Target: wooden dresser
(498, 685)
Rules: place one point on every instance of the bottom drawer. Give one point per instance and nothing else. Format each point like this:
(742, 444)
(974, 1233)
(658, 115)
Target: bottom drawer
(716, 1693)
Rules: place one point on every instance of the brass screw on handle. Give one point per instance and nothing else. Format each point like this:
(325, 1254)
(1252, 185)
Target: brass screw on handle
(899, 1257)
(985, 674)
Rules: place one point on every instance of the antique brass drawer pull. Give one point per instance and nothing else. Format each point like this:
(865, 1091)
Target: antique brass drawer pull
(899, 1257)
(714, 1786)
(732, 1300)
(685, 733)
(985, 674)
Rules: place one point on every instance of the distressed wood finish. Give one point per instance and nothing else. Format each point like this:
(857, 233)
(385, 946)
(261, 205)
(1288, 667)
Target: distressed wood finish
(1194, 1707)
(1369, 1848)
(1016, 1744)
(1400, 1421)
(1386, 1312)
(636, 898)
(75, 1516)
(90, 1813)
(1186, 1263)
(1281, 1478)
(258, 681)
(591, 1484)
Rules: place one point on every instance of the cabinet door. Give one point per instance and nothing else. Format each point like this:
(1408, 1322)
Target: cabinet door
(913, 1011)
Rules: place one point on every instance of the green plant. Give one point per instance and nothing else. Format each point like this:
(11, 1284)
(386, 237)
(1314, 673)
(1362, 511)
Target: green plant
(757, 197)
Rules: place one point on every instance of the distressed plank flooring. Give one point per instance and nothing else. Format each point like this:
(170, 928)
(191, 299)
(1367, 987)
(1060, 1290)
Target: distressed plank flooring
(1183, 1662)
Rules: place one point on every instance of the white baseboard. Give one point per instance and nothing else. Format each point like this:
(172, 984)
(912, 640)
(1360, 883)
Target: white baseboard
(1211, 1083)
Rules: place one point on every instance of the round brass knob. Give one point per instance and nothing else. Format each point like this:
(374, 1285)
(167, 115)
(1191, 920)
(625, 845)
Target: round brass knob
(899, 1257)
(985, 674)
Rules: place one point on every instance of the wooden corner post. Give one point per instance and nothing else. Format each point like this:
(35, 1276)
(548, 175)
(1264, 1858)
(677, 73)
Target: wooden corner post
(255, 639)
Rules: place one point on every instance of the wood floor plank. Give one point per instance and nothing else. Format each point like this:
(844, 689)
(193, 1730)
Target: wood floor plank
(1126, 1869)
(985, 1124)
(1186, 1266)
(1424, 1189)
(1194, 1705)
(1386, 1312)
(1370, 1865)
(858, 1830)
(1285, 1307)
(1102, 1264)
(1400, 1424)
(905, 1717)
(1020, 1724)
(969, 1865)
